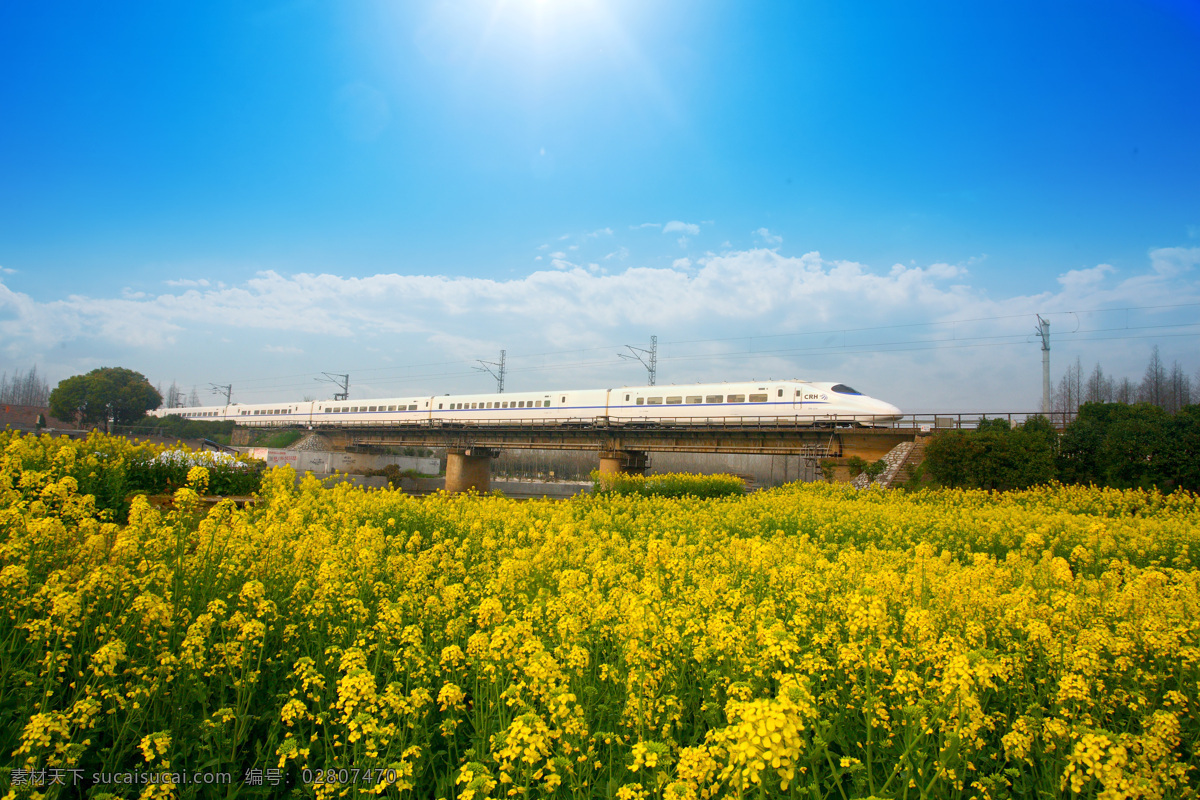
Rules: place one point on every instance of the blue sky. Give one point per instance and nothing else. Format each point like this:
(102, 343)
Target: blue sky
(256, 193)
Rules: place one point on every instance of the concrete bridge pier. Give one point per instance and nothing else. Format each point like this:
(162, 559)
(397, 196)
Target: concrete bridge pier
(630, 462)
(469, 468)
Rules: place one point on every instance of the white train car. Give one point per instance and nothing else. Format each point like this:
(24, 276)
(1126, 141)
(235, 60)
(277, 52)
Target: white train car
(801, 402)
(385, 411)
(574, 406)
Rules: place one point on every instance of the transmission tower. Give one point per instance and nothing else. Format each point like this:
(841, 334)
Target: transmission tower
(337, 379)
(226, 390)
(1044, 332)
(498, 373)
(650, 363)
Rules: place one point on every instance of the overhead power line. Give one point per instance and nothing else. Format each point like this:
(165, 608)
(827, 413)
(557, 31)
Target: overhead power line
(650, 362)
(498, 373)
(338, 380)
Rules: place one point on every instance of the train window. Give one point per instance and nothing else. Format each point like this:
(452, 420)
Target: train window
(758, 398)
(626, 398)
(779, 393)
(520, 404)
(564, 398)
(736, 398)
(545, 404)
(641, 400)
(654, 401)
(391, 408)
(842, 388)
(714, 398)
(696, 399)
(373, 408)
(412, 407)
(674, 401)
(439, 405)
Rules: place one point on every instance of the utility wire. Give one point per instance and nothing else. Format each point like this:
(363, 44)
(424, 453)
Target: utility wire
(879, 346)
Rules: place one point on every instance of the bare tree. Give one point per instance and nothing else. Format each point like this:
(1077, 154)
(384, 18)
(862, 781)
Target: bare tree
(1099, 387)
(24, 388)
(1153, 388)
(1179, 389)
(1125, 391)
(1069, 395)
(193, 400)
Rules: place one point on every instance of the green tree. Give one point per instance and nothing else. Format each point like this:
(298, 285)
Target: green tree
(106, 393)
(1079, 449)
(952, 457)
(1134, 446)
(68, 401)
(1182, 453)
(994, 456)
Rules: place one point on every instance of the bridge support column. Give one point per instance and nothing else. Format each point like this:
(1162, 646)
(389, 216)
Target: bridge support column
(469, 468)
(629, 462)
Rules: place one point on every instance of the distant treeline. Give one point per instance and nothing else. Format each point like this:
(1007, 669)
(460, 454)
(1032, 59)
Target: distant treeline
(24, 388)
(1120, 445)
(1169, 388)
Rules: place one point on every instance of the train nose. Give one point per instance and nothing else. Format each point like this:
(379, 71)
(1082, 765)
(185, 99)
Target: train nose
(888, 411)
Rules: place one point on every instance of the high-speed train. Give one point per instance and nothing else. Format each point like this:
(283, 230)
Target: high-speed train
(796, 401)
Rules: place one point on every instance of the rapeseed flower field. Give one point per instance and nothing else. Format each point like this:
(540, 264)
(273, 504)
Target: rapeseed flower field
(811, 641)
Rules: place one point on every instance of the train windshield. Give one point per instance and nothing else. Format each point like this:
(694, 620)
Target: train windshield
(842, 388)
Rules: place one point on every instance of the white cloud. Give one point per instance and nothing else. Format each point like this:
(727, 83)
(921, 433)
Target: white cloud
(7, 271)
(810, 316)
(1077, 279)
(598, 233)
(675, 226)
(558, 254)
(769, 238)
(645, 225)
(187, 282)
(1174, 260)
(621, 253)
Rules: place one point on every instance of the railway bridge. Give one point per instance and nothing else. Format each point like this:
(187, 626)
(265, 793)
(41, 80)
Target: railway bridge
(622, 446)
(619, 447)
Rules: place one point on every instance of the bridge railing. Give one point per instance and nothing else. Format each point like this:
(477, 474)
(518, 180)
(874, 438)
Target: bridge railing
(927, 421)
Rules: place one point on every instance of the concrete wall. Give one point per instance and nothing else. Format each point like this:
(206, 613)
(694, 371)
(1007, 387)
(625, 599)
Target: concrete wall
(324, 463)
(764, 470)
